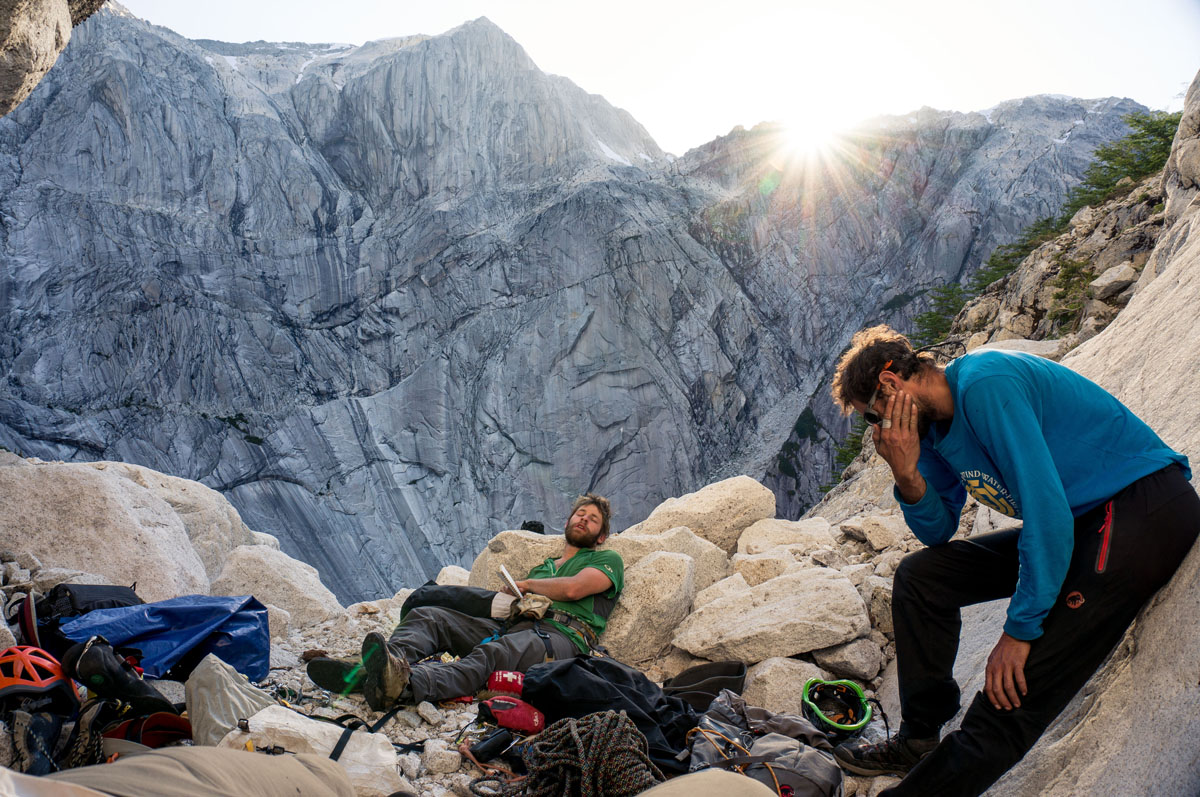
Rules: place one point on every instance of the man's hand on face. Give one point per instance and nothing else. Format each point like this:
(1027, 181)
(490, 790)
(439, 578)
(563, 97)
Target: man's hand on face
(1006, 673)
(899, 444)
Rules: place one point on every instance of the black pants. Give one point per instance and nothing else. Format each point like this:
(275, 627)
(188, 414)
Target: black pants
(1112, 574)
(427, 630)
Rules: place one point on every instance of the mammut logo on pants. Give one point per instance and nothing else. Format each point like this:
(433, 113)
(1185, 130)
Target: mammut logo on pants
(1075, 600)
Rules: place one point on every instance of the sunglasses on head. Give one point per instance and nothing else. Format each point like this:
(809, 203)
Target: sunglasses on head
(869, 414)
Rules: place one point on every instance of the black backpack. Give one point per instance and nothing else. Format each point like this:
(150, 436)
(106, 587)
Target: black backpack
(40, 619)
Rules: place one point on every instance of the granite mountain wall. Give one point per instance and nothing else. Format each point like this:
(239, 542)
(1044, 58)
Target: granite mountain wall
(391, 298)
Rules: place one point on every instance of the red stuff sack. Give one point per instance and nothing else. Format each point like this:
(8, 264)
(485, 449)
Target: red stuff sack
(512, 713)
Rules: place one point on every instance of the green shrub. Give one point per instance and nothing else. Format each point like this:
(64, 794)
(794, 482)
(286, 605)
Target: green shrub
(847, 450)
(934, 325)
(1005, 258)
(1140, 154)
(1071, 282)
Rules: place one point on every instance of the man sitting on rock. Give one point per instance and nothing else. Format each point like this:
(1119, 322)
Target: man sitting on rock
(583, 584)
(1108, 516)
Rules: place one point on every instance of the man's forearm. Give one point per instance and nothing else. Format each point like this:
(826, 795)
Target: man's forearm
(911, 486)
(557, 588)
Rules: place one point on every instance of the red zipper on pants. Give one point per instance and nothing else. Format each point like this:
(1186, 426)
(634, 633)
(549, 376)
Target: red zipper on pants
(1105, 538)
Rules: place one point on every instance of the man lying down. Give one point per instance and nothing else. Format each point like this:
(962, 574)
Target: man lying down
(582, 585)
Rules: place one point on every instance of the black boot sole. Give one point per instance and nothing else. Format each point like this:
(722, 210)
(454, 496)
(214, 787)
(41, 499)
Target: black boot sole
(334, 675)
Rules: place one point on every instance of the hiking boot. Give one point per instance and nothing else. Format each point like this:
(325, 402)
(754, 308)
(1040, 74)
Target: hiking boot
(98, 667)
(336, 675)
(33, 738)
(86, 747)
(895, 756)
(386, 672)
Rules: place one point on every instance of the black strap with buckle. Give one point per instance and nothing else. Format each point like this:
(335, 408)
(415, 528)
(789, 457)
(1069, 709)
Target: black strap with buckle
(575, 624)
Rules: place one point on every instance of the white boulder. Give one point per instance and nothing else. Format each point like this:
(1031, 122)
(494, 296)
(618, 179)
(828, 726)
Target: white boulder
(93, 518)
(48, 578)
(719, 512)
(797, 612)
(1113, 281)
(212, 524)
(453, 575)
(518, 551)
(276, 578)
(760, 567)
(712, 563)
(884, 531)
(859, 659)
(262, 538)
(438, 758)
(776, 684)
(799, 535)
(726, 586)
(858, 573)
(887, 562)
(279, 622)
(657, 596)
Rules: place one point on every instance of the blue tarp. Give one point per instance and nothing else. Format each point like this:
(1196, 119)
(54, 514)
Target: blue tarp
(232, 628)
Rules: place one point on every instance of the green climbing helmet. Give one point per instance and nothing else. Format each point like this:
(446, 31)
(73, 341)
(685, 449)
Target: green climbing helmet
(838, 708)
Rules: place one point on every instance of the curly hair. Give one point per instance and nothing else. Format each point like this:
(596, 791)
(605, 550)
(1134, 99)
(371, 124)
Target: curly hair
(870, 349)
(598, 501)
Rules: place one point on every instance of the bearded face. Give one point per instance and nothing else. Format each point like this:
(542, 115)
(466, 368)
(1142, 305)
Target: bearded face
(584, 527)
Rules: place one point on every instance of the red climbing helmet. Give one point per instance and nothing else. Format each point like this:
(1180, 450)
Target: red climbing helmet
(26, 670)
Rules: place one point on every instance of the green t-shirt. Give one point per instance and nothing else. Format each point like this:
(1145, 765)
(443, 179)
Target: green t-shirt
(607, 562)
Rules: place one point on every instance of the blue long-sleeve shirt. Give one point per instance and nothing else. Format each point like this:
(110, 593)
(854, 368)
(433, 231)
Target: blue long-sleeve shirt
(1032, 439)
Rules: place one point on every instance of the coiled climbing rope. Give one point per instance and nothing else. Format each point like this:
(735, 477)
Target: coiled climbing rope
(600, 755)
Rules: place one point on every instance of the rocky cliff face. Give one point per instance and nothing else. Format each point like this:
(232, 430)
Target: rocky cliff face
(389, 299)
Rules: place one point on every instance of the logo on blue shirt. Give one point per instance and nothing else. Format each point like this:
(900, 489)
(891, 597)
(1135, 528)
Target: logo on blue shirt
(987, 490)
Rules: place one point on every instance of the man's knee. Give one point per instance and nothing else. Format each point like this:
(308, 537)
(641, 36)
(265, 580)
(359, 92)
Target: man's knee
(426, 614)
(914, 570)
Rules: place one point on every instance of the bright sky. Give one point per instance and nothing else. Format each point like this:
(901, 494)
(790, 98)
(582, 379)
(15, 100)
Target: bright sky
(690, 71)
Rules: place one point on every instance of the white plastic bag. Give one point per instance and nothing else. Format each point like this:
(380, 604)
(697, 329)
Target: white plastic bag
(369, 758)
(217, 697)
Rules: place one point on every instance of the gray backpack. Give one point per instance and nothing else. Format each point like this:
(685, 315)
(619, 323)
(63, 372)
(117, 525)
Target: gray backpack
(784, 752)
